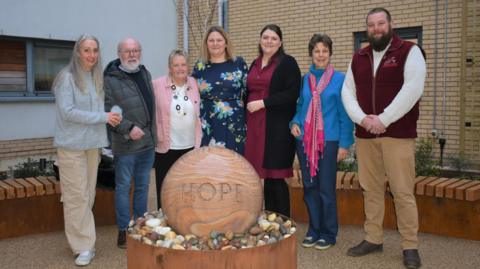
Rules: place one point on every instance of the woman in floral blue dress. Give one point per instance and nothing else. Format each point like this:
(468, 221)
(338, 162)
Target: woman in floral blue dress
(221, 79)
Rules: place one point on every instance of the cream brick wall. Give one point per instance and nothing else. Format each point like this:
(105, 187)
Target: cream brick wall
(13, 152)
(340, 19)
(11, 149)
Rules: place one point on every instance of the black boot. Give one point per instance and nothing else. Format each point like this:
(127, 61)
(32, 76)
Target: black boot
(122, 239)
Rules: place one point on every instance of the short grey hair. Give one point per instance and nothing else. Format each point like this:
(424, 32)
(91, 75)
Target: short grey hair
(176, 52)
(120, 44)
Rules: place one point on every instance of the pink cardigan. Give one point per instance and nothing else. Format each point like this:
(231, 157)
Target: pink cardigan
(163, 98)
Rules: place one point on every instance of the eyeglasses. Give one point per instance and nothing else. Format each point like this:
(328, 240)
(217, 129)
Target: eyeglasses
(133, 51)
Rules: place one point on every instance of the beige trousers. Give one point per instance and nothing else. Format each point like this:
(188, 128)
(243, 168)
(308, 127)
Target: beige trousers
(393, 159)
(78, 180)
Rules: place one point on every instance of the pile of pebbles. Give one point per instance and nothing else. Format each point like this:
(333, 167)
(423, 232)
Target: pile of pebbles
(153, 229)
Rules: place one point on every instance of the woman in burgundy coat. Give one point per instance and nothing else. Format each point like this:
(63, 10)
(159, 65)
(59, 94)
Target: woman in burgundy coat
(273, 85)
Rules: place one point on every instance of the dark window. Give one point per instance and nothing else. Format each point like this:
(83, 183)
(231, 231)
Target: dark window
(413, 34)
(29, 66)
(47, 62)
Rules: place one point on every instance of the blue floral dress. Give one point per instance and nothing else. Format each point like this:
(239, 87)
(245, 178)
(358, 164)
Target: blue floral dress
(222, 110)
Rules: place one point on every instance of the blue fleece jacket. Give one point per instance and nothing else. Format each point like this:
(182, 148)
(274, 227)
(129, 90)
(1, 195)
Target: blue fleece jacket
(337, 124)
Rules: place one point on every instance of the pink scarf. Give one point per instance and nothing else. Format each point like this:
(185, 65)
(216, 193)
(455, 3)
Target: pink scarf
(313, 138)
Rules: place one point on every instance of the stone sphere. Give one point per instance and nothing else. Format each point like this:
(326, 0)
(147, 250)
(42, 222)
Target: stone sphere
(211, 189)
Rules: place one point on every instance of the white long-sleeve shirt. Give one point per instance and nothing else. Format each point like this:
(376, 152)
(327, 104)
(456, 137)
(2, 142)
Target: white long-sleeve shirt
(412, 89)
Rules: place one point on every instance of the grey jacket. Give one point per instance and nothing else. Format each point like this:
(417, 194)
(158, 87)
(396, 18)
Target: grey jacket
(122, 91)
(80, 117)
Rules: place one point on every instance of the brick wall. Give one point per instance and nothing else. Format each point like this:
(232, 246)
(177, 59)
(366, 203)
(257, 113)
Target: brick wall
(13, 149)
(340, 19)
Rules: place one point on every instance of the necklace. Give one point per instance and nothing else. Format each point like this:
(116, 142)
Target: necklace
(177, 92)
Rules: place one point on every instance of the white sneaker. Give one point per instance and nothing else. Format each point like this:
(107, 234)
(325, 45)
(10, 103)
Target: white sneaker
(84, 258)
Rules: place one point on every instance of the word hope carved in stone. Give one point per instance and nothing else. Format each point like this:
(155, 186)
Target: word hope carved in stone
(211, 189)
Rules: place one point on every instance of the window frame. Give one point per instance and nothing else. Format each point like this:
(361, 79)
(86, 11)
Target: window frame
(30, 93)
(415, 32)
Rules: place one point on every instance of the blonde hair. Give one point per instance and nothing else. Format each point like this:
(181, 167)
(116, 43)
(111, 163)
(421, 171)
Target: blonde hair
(205, 55)
(75, 68)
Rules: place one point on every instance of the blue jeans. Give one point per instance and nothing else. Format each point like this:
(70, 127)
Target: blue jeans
(319, 193)
(134, 166)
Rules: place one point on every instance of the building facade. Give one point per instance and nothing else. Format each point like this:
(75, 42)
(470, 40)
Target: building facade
(36, 40)
(447, 30)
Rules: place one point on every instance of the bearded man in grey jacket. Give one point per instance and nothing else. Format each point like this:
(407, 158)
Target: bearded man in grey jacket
(128, 89)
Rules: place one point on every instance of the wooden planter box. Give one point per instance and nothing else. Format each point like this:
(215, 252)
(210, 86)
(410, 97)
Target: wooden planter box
(448, 207)
(32, 205)
(281, 255)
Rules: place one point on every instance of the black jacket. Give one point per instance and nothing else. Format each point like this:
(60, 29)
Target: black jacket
(122, 91)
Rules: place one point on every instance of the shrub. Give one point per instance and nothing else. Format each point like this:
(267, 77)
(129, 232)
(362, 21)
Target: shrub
(425, 165)
(459, 163)
(31, 168)
(349, 164)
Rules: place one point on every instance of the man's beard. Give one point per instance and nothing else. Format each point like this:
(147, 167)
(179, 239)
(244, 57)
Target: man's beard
(130, 66)
(381, 43)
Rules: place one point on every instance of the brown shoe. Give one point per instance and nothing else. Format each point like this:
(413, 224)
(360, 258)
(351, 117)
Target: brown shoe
(411, 259)
(364, 248)
(122, 239)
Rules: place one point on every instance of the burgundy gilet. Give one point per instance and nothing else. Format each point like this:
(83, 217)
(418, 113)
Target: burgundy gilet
(374, 94)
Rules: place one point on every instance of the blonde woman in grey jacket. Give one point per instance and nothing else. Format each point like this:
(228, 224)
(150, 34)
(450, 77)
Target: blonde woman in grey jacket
(80, 132)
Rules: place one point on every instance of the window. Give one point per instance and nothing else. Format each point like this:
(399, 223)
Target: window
(413, 34)
(12, 66)
(29, 66)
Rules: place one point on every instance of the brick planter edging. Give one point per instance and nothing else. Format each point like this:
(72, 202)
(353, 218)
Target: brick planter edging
(449, 207)
(32, 205)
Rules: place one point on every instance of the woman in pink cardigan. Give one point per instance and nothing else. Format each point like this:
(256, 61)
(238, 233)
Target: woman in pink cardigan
(178, 109)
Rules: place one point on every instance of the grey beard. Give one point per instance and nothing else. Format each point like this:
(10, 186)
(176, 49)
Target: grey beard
(127, 70)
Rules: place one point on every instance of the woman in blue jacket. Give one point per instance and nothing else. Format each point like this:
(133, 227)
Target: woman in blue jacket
(324, 133)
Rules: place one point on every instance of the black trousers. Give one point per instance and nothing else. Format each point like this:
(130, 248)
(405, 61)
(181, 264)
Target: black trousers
(277, 196)
(163, 162)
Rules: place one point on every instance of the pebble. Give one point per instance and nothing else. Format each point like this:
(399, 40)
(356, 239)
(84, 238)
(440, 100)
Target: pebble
(272, 217)
(162, 230)
(147, 241)
(264, 224)
(152, 229)
(178, 246)
(180, 239)
(255, 230)
(170, 235)
(137, 237)
(229, 235)
(272, 240)
(211, 244)
(236, 243)
(213, 234)
(273, 227)
(190, 236)
(153, 236)
(193, 241)
(166, 243)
